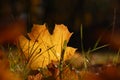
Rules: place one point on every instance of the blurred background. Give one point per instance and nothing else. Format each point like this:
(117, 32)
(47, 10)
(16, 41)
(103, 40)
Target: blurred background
(99, 18)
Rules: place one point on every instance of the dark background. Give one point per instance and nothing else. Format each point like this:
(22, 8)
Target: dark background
(96, 16)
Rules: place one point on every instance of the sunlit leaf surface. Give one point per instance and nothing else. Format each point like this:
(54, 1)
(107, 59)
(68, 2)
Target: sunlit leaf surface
(42, 48)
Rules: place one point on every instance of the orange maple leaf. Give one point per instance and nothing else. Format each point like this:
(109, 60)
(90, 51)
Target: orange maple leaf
(42, 48)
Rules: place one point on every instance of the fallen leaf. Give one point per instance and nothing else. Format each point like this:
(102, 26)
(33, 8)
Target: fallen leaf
(36, 77)
(86, 75)
(9, 32)
(42, 48)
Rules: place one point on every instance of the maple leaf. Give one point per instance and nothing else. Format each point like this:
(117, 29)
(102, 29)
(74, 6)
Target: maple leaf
(42, 47)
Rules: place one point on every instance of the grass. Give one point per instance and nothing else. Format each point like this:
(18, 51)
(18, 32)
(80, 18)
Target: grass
(116, 58)
(86, 55)
(62, 59)
(18, 62)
